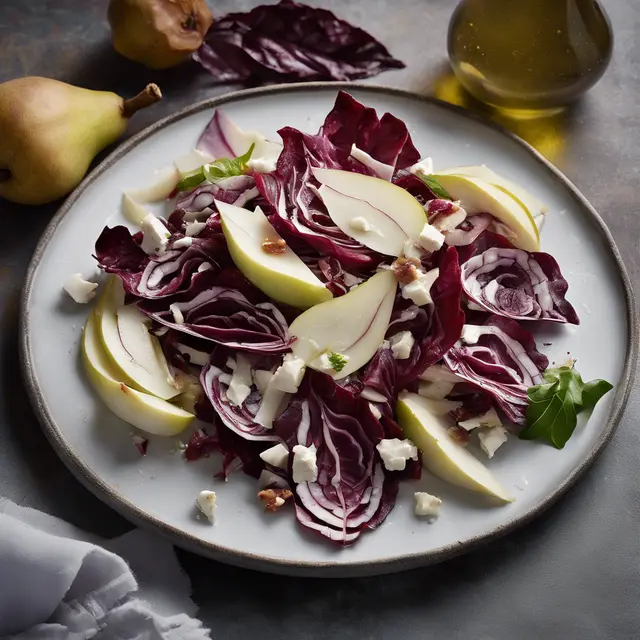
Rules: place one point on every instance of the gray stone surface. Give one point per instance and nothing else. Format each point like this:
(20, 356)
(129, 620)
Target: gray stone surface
(573, 574)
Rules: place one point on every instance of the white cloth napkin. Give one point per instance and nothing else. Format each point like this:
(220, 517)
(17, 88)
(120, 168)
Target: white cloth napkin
(59, 583)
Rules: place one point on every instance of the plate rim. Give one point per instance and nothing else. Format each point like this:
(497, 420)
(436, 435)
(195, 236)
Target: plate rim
(140, 517)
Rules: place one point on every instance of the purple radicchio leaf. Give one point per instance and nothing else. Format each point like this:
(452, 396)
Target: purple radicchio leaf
(435, 327)
(516, 284)
(501, 358)
(215, 379)
(352, 491)
(385, 139)
(151, 277)
(295, 210)
(289, 42)
(224, 308)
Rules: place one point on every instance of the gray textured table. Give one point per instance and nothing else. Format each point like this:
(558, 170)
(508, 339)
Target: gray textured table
(574, 574)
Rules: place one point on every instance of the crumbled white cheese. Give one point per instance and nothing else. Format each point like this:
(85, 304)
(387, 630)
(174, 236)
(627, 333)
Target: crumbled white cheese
(418, 290)
(289, 374)
(194, 228)
(395, 453)
(272, 404)
(178, 316)
(412, 251)
(155, 236)
(268, 479)
(372, 395)
(81, 290)
(376, 412)
(424, 167)
(262, 378)
(276, 456)
(351, 280)
(305, 468)
(401, 344)
(492, 439)
(262, 165)
(240, 385)
(489, 419)
(435, 390)
(426, 504)
(182, 242)
(360, 223)
(206, 502)
(205, 266)
(450, 222)
(471, 333)
(430, 238)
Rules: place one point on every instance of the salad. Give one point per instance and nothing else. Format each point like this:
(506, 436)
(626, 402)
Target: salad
(336, 314)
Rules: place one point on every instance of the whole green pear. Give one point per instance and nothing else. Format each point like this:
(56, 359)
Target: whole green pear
(50, 132)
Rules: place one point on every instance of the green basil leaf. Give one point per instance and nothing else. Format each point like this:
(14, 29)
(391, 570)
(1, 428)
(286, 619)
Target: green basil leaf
(555, 404)
(191, 179)
(434, 184)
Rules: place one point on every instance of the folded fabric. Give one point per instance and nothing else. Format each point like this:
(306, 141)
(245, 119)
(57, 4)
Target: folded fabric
(58, 583)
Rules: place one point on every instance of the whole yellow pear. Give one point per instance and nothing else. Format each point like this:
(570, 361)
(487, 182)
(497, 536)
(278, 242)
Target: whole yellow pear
(51, 131)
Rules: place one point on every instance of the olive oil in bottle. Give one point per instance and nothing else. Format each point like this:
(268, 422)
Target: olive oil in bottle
(529, 56)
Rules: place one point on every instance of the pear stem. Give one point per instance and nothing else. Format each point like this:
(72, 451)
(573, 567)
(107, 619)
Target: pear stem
(5, 175)
(148, 96)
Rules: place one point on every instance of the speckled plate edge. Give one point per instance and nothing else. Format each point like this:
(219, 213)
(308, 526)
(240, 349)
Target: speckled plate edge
(316, 569)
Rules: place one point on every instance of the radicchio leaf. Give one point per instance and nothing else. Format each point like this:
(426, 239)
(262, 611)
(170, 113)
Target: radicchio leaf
(385, 139)
(151, 277)
(227, 309)
(289, 42)
(501, 358)
(215, 379)
(352, 491)
(435, 327)
(294, 209)
(516, 284)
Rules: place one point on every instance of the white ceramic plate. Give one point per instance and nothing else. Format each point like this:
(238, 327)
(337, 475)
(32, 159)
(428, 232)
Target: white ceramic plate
(158, 491)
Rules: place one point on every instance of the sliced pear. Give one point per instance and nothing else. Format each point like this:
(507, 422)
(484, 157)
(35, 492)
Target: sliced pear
(440, 454)
(142, 410)
(478, 196)
(353, 325)
(392, 214)
(531, 203)
(135, 354)
(282, 276)
(133, 200)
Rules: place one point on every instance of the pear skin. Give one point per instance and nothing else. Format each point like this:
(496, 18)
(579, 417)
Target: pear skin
(51, 131)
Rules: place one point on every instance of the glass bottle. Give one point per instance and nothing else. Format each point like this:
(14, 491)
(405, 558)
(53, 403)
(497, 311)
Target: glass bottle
(529, 56)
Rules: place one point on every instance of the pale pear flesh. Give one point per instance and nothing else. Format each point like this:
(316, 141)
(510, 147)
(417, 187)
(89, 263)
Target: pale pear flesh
(477, 196)
(282, 276)
(142, 410)
(353, 325)
(441, 455)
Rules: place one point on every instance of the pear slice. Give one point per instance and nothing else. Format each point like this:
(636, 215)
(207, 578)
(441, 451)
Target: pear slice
(282, 276)
(478, 196)
(534, 206)
(142, 410)
(353, 325)
(440, 454)
(388, 215)
(135, 354)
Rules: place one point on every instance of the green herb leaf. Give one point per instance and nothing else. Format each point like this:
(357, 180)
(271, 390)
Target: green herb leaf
(554, 405)
(217, 170)
(337, 361)
(434, 184)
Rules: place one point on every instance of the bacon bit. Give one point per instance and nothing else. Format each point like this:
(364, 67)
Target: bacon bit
(459, 435)
(406, 269)
(274, 247)
(140, 444)
(274, 498)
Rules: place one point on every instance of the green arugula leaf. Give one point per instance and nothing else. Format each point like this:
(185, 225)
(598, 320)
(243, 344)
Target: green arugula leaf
(217, 170)
(554, 405)
(434, 184)
(337, 361)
